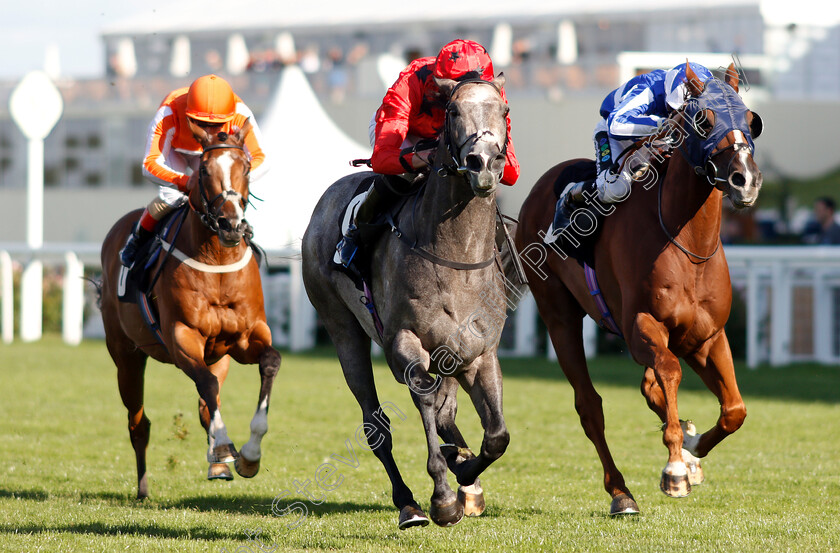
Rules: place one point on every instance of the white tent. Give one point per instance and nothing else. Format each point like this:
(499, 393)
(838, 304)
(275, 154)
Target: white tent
(307, 152)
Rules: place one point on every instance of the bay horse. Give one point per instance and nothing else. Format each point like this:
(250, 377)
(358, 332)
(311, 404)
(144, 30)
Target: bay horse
(439, 298)
(662, 274)
(209, 302)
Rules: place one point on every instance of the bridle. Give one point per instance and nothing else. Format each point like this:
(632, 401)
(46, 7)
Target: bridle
(701, 156)
(209, 215)
(453, 165)
(705, 165)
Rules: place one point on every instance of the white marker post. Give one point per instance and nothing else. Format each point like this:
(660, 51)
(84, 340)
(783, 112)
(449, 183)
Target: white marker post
(35, 106)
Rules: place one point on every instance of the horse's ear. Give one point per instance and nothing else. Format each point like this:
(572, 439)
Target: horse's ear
(446, 86)
(692, 81)
(243, 131)
(199, 133)
(732, 77)
(499, 82)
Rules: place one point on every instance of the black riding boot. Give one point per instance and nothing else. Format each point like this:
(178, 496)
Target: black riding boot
(349, 244)
(386, 189)
(138, 237)
(572, 200)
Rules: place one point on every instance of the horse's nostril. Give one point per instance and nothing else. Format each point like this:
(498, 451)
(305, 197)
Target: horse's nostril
(473, 163)
(224, 224)
(737, 179)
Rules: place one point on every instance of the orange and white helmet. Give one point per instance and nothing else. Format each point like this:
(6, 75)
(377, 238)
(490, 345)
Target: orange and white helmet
(460, 57)
(211, 99)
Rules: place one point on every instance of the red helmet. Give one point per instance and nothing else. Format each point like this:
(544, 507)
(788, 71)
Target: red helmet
(459, 57)
(211, 99)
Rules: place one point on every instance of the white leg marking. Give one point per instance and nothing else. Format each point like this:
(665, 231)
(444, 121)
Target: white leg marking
(259, 426)
(676, 469)
(217, 434)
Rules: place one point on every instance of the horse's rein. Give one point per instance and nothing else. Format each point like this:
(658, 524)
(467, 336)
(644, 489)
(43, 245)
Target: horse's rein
(699, 171)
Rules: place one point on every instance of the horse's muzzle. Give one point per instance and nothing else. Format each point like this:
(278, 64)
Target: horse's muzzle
(231, 236)
(743, 188)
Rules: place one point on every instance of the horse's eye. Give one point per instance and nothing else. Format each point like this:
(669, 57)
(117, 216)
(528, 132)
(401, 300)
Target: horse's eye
(452, 110)
(203, 171)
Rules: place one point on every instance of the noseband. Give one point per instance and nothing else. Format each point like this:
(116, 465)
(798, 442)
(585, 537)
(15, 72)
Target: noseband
(208, 215)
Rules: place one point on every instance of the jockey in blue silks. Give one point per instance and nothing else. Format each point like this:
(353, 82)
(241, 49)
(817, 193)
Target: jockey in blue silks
(634, 110)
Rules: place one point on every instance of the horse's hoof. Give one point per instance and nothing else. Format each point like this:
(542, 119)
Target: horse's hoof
(623, 504)
(412, 515)
(472, 498)
(246, 468)
(447, 515)
(219, 471)
(224, 453)
(695, 471)
(675, 485)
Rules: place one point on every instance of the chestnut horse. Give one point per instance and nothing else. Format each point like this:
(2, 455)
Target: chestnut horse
(662, 274)
(209, 302)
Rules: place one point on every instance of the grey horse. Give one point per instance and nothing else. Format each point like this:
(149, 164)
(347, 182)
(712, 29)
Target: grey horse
(440, 298)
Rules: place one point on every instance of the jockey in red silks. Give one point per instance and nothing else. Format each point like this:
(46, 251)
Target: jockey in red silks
(412, 110)
(173, 153)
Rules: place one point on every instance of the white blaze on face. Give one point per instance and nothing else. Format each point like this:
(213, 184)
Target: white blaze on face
(225, 162)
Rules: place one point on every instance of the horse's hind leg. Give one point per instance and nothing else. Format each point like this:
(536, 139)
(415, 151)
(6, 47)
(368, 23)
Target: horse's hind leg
(216, 471)
(131, 367)
(455, 448)
(248, 463)
(714, 365)
(353, 349)
(564, 319)
(648, 343)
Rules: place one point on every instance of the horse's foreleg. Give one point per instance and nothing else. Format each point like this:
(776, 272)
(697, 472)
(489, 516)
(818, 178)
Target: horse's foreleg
(648, 345)
(412, 361)
(656, 401)
(484, 384)
(455, 448)
(715, 367)
(189, 357)
(248, 463)
(219, 470)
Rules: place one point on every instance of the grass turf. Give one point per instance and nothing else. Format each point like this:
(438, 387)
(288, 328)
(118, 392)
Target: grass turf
(69, 481)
